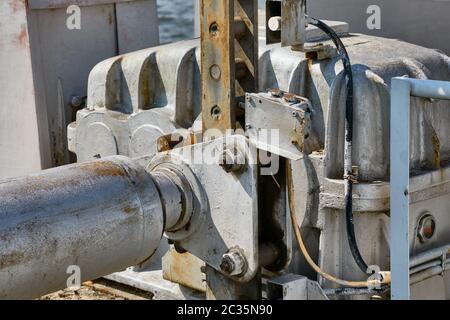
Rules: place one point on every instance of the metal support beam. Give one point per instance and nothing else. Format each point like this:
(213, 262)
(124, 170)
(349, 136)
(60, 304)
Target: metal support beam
(229, 60)
(401, 91)
(217, 64)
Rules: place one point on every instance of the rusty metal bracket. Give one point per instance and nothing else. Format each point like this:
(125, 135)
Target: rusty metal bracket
(229, 59)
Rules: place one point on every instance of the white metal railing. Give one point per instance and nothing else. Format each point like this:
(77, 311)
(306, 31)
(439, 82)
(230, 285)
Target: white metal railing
(401, 91)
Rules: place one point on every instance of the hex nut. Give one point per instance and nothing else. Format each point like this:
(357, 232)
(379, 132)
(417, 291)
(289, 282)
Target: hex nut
(426, 228)
(233, 263)
(232, 160)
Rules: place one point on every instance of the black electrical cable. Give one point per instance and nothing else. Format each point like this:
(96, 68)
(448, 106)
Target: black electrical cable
(348, 175)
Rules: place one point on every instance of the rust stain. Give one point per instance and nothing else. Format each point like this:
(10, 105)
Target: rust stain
(11, 259)
(216, 47)
(184, 269)
(22, 37)
(437, 149)
(103, 169)
(130, 209)
(18, 5)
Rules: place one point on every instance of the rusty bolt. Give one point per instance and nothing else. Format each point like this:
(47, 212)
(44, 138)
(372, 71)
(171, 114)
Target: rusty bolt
(232, 160)
(233, 263)
(427, 227)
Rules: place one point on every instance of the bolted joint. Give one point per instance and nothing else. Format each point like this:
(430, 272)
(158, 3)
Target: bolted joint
(232, 160)
(233, 263)
(176, 197)
(426, 228)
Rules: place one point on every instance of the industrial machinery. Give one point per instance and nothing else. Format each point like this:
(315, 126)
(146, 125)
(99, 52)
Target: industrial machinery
(302, 162)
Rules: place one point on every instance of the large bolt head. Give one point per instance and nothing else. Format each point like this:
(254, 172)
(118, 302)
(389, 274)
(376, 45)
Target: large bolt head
(232, 161)
(274, 23)
(233, 263)
(427, 228)
(227, 265)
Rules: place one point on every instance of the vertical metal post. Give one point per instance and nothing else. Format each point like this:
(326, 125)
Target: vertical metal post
(229, 69)
(229, 61)
(217, 65)
(400, 123)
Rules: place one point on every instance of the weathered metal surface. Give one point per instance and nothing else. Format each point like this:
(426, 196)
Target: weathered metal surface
(184, 269)
(229, 64)
(376, 61)
(286, 22)
(43, 55)
(100, 216)
(278, 122)
(200, 164)
(155, 100)
(217, 65)
(152, 281)
(293, 23)
(23, 149)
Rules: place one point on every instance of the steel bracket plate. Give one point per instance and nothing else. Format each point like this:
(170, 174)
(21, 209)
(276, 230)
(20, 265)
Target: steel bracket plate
(279, 124)
(222, 220)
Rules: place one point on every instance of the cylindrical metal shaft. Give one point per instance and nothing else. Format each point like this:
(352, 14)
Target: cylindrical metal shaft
(101, 217)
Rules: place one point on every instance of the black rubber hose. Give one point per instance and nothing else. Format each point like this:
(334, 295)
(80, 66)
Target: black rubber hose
(348, 175)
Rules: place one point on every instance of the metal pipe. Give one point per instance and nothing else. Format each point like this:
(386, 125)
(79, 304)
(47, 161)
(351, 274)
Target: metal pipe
(430, 273)
(429, 89)
(430, 255)
(425, 266)
(101, 217)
